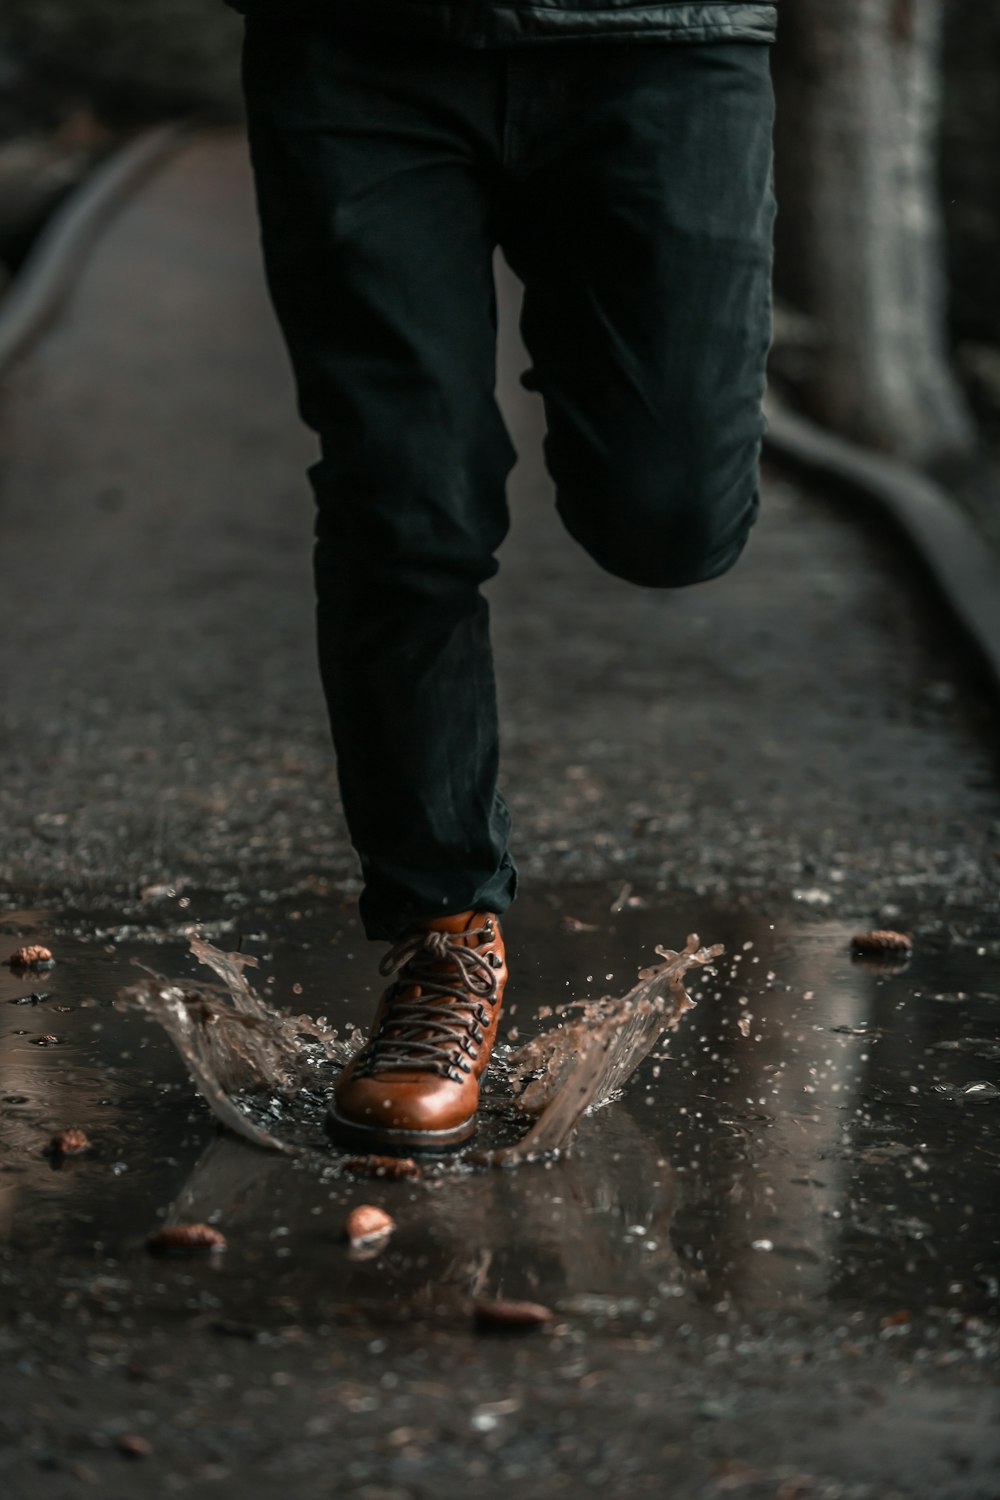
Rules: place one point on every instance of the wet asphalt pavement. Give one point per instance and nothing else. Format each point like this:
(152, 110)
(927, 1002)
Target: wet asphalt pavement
(773, 1263)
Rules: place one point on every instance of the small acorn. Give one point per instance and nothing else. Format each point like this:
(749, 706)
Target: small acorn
(71, 1142)
(34, 956)
(881, 943)
(503, 1313)
(186, 1239)
(384, 1166)
(366, 1225)
(133, 1445)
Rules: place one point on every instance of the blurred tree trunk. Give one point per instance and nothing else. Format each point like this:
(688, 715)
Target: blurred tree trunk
(859, 230)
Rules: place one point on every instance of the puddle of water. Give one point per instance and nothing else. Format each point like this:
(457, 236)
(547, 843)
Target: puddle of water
(242, 1052)
(791, 1149)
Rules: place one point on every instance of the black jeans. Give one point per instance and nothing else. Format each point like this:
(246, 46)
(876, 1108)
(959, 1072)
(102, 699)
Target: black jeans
(629, 187)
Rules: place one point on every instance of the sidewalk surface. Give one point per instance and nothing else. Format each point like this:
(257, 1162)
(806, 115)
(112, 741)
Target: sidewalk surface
(799, 748)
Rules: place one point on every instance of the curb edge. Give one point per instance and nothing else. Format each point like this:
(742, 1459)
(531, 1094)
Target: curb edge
(960, 561)
(47, 277)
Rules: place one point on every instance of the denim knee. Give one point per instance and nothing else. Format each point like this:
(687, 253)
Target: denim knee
(663, 531)
(419, 524)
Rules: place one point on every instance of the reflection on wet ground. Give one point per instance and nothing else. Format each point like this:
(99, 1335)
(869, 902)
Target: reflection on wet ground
(807, 1140)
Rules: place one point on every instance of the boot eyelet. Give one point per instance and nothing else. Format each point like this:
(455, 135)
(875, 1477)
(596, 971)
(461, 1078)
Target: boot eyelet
(494, 960)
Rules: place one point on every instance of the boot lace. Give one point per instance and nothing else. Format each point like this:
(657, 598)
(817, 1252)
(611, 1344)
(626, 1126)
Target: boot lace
(439, 1029)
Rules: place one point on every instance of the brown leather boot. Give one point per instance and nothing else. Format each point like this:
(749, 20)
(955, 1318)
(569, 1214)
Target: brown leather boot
(414, 1086)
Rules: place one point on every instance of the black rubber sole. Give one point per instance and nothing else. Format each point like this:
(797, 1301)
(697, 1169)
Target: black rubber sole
(388, 1142)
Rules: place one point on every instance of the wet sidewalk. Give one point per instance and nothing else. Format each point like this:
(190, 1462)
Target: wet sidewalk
(773, 1264)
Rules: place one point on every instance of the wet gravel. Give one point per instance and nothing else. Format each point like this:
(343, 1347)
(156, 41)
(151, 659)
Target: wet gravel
(773, 1265)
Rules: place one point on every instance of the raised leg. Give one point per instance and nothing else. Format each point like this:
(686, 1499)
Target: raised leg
(642, 229)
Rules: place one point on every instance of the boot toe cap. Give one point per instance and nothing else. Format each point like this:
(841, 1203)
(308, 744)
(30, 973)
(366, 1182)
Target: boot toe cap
(406, 1101)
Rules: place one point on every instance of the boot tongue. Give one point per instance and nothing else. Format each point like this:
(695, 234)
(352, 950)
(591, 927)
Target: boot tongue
(457, 922)
(455, 925)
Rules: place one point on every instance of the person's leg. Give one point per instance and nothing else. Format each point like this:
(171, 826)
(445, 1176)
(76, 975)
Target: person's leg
(373, 173)
(642, 229)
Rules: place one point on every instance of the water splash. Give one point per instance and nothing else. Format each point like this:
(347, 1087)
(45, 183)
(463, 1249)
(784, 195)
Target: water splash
(236, 1046)
(582, 1064)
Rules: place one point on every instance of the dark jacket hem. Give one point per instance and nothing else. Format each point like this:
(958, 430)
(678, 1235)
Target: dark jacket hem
(470, 25)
